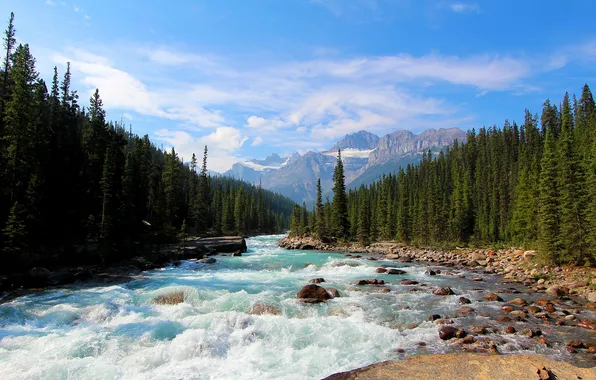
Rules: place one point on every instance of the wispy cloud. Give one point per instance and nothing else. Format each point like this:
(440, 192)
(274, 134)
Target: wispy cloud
(304, 103)
(464, 7)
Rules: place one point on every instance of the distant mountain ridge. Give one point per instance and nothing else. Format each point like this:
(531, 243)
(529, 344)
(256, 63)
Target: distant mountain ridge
(366, 158)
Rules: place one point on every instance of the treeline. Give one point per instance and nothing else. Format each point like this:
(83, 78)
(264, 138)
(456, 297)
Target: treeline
(70, 178)
(532, 185)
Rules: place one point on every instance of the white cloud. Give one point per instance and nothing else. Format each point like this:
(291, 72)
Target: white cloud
(221, 145)
(257, 141)
(463, 7)
(50, 3)
(301, 103)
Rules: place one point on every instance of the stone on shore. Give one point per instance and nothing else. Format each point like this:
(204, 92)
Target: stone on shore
(469, 366)
(492, 297)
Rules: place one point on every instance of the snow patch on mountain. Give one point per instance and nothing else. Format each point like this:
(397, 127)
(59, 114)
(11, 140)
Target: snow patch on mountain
(351, 153)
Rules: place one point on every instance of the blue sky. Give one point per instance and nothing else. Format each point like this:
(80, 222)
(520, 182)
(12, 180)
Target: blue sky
(253, 77)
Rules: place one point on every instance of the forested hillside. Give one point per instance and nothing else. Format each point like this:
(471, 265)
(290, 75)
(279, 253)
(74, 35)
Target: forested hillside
(70, 179)
(532, 185)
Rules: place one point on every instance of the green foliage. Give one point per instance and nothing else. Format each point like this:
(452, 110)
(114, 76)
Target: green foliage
(501, 187)
(69, 177)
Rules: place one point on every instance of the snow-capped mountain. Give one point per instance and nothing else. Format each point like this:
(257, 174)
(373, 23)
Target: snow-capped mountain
(366, 158)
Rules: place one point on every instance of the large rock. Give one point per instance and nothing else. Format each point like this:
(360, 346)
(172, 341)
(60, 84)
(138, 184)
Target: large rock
(469, 366)
(447, 332)
(395, 271)
(334, 292)
(492, 297)
(172, 298)
(443, 291)
(313, 294)
(555, 291)
(260, 309)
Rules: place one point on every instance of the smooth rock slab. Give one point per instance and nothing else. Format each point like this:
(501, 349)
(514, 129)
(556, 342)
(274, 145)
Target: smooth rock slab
(469, 366)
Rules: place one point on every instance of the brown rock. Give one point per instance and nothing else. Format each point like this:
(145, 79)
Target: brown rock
(465, 310)
(576, 344)
(260, 309)
(492, 297)
(430, 272)
(313, 294)
(443, 291)
(464, 300)
(395, 271)
(468, 340)
(447, 332)
(479, 330)
(509, 330)
(381, 270)
(409, 282)
(469, 366)
(434, 317)
(555, 291)
(507, 308)
(550, 308)
(334, 292)
(530, 333)
(534, 309)
(518, 302)
(317, 280)
(518, 314)
(172, 298)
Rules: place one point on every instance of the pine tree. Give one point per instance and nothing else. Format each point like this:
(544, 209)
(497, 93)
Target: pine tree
(240, 213)
(295, 226)
(304, 220)
(9, 42)
(339, 214)
(321, 228)
(203, 196)
(364, 222)
(571, 186)
(549, 199)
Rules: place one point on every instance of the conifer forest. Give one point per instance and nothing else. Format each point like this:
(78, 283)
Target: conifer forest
(531, 185)
(72, 182)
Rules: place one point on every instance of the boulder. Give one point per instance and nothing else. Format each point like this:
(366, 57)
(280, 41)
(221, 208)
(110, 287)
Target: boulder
(447, 332)
(464, 300)
(260, 309)
(509, 330)
(208, 260)
(370, 281)
(555, 291)
(434, 317)
(172, 298)
(430, 272)
(381, 270)
(443, 291)
(317, 280)
(313, 294)
(409, 282)
(465, 310)
(334, 292)
(518, 302)
(492, 297)
(395, 271)
(236, 253)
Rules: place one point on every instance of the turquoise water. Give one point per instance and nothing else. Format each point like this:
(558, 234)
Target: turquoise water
(115, 331)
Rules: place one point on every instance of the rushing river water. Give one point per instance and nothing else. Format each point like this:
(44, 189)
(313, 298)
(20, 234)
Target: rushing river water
(117, 332)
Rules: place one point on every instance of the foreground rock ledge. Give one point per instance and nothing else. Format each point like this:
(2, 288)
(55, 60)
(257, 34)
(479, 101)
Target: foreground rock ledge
(470, 366)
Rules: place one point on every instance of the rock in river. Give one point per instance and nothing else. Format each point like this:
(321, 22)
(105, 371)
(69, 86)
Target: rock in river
(313, 294)
(443, 291)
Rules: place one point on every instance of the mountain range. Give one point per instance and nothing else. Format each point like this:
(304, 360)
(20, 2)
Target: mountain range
(366, 158)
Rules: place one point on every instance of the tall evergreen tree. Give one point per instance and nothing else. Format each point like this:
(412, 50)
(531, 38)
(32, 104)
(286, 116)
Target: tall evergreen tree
(339, 214)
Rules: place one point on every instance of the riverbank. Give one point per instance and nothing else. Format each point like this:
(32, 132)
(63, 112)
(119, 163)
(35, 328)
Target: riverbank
(516, 266)
(40, 278)
(469, 366)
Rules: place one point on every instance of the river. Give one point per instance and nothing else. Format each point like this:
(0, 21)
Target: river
(116, 331)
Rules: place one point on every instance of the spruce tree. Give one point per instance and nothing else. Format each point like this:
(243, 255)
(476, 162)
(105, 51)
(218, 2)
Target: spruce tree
(321, 228)
(364, 222)
(549, 218)
(339, 214)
